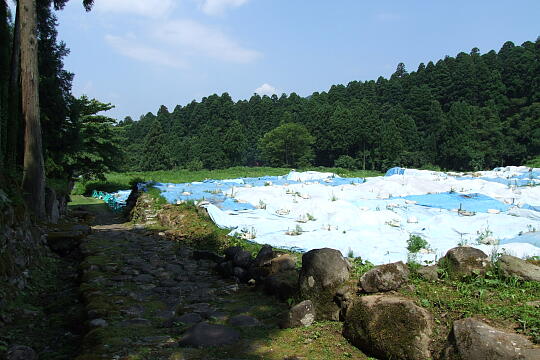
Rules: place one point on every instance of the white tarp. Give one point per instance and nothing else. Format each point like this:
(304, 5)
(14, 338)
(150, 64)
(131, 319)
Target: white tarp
(374, 219)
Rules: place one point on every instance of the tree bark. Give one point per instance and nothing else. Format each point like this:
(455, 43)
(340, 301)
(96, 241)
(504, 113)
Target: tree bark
(12, 136)
(33, 168)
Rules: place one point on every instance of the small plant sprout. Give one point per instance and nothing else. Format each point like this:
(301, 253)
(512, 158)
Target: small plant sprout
(333, 198)
(486, 237)
(248, 233)
(295, 232)
(262, 205)
(310, 217)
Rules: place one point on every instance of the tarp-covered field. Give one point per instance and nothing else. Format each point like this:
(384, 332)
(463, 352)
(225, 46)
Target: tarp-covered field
(373, 218)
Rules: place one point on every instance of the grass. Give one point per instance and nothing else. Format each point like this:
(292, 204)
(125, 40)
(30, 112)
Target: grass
(534, 162)
(79, 200)
(121, 181)
(498, 300)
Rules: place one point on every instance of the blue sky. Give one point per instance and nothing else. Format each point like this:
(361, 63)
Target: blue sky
(140, 54)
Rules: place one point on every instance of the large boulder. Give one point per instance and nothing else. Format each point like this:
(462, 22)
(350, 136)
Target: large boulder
(389, 327)
(475, 340)
(323, 272)
(464, 261)
(513, 266)
(300, 315)
(385, 277)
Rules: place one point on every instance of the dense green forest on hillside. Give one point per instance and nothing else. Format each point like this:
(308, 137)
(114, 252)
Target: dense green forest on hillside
(468, 112)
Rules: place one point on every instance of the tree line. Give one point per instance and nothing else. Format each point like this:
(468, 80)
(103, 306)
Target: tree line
(469, 112)
(46, 134)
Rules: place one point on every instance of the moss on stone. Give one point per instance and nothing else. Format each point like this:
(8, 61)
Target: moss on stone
(392, 331)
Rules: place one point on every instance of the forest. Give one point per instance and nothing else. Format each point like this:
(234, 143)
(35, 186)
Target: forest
(469, 112)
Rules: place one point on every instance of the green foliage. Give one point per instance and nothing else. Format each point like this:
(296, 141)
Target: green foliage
(360, 267)
(534, 162)
(195, 165)
(416, 243)
(97, 151)
(346, 162)
(468, 112)
(287, 145)
(492, 296)
(136, 180)
(155, 193)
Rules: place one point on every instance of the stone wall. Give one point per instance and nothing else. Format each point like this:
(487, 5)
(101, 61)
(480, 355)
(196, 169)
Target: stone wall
(21, 242)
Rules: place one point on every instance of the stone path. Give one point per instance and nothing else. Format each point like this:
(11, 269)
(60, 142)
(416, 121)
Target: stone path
(147, 298)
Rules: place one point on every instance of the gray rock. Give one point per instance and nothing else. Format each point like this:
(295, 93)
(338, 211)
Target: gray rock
(230, 252)
(190, 318)
(244, 321)
(208, 335)
(240, 273)
(135, 322)
(429, 272)
(475, 340)
(20, 352)
(242, 259)
(323, 272)
(389, 327)
(464, 261)
(269, 262)
(513, 266)
(144, 278)
(225, 268)
(265, 255)
(302, 314)
(385, 277)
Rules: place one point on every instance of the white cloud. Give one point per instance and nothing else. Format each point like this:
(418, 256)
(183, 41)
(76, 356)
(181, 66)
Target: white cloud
(218, 7)
(193, 38)
(129, 46)
(148, 8)
(266, 89)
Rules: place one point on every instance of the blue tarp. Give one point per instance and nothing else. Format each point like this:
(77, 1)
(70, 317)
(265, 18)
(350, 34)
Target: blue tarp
(395, 171)
(532, 238)
(449, 201)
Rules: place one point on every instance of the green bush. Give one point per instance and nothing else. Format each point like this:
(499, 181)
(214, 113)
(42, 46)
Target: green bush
(415, 243)
(346, 162)
(194, 165)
